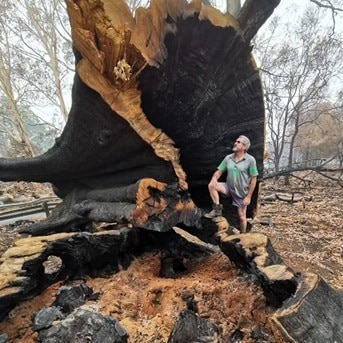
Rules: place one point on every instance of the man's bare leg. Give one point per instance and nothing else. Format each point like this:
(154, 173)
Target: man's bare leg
(242, 218)
(214, 191)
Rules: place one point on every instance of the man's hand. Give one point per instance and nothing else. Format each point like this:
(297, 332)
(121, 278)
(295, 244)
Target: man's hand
(252, 185)
(247, 200)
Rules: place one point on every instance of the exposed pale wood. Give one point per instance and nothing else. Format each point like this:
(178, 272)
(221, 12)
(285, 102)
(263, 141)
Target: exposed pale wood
(254, 254)
(105, 41)
(308, 309)
(157, 211)
(128, 105)
(314, 314)
(97, 68)
(22, 271)
(21, 267)
(162, 96)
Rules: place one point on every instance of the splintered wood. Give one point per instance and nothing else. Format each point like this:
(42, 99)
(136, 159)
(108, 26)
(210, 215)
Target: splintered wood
(116, 47)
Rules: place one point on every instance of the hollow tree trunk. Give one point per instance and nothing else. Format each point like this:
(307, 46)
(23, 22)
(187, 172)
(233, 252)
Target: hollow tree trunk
(157, 101)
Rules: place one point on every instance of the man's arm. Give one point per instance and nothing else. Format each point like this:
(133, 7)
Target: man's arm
(216, 175)
(252, 185)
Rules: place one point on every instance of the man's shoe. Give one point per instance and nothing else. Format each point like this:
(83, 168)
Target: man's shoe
(235, 231)
(217, 210)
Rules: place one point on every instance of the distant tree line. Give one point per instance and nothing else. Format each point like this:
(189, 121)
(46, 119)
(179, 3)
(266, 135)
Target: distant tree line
(301, 67)
(36, 70)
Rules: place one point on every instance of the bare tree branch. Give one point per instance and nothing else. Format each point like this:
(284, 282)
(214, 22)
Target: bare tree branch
(329, 6)
(319, 169)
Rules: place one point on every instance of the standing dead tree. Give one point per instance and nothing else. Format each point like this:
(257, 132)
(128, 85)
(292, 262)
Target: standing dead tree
(156, 101)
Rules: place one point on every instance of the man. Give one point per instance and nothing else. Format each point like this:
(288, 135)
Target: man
(240, 182)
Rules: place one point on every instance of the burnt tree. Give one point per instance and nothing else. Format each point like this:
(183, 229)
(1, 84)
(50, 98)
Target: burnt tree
(157, 101)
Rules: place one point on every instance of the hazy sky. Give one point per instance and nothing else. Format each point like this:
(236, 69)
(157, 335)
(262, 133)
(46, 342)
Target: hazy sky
(301, 4)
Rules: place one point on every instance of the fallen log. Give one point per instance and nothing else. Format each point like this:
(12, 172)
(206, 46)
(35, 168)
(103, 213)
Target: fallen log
(24, 271)
(254, 254)
(291, 198)
(158, 96)
(314, 314)
(22, 266)
(307, 308)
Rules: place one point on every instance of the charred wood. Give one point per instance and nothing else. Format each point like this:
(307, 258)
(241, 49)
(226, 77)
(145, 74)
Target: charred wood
(85, 325)
(94, 254)
(191, 328)
(307, 308)
(314, 314)
(160, 96)
(253, 15)
(254, 254)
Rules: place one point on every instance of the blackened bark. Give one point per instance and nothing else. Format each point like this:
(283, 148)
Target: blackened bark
(97, 254)
(314, 314)
(307, 308)
(254, 14)
(255, 255)
(161, 96)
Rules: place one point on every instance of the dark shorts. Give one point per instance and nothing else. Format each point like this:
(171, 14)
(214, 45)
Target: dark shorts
(238, 202)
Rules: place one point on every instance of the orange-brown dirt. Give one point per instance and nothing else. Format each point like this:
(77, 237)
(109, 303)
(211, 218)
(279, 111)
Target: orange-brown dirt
(307, 235)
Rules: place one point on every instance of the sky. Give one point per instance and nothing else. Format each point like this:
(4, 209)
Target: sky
(301, 4)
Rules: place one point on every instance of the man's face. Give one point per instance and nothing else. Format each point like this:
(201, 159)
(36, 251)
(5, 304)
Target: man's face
(238, 145)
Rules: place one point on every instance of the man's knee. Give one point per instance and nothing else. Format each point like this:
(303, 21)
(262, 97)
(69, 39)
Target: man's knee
(241, 217)
(241, 213)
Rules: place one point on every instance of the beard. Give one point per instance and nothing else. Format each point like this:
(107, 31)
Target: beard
(234, 149)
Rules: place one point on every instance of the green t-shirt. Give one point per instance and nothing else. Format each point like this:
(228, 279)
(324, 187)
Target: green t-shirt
(239, 173)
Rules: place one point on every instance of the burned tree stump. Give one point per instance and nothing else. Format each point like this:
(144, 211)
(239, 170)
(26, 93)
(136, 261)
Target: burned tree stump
(307, 309)
(157, 101)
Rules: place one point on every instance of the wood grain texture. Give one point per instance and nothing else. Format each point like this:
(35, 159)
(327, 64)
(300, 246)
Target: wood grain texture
(161, 95)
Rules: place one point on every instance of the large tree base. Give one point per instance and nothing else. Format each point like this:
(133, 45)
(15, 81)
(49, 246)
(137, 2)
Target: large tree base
(160, 96)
